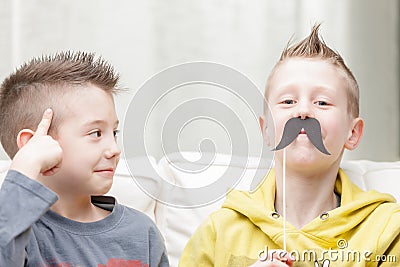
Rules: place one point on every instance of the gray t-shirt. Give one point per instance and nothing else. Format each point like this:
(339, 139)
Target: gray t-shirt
(33, 235)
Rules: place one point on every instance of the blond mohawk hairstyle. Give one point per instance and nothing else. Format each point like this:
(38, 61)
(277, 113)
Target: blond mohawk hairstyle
(313, 46)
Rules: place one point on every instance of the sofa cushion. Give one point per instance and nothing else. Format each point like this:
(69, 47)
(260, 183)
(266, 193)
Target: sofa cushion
(381, 176)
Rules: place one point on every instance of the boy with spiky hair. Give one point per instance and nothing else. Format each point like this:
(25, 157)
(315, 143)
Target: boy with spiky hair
(58, 125)
(327, 219)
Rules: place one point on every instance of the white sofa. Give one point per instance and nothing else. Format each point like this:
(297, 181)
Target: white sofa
(177, 223)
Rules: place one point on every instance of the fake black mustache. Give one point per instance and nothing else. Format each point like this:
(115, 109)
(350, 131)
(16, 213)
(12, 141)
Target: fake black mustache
(293, 127)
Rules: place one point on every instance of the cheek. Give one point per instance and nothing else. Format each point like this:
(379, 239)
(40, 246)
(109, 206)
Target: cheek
(335, 131)
(75, 153)
(69, 146)
(276, 128)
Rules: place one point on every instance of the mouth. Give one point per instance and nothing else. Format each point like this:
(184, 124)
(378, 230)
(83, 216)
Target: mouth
(107, 171)
(302, 131)
(291, 131)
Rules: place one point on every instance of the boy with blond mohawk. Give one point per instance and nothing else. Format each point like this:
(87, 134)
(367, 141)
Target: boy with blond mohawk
(58, 125)
(313, 108)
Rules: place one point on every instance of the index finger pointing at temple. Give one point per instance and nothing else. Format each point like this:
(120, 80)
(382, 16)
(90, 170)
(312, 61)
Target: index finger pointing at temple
(44, 124)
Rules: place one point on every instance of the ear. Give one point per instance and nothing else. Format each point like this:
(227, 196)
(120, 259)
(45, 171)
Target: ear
(263, 125)
(23, 137)
(354, 138)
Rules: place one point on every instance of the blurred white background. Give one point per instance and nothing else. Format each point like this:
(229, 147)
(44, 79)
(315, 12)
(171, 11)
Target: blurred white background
(141, 38)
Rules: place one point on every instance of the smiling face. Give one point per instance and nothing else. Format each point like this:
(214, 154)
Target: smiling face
(87, 136)
(302, 87)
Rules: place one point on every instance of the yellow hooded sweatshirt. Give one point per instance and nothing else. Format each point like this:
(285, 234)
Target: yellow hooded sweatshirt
(363, 231)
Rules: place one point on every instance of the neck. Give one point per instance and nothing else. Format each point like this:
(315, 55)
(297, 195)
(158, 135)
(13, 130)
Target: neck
(308, 194)
(78, 209)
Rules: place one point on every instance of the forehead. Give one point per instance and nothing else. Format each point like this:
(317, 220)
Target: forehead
(87, 104)
(303, 73)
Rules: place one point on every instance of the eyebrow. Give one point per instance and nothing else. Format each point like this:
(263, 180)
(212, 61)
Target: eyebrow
(318, 88)
(97, 122)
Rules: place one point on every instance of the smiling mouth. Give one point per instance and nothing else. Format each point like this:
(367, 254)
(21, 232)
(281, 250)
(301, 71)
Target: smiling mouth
(302, 131)
(105, 171)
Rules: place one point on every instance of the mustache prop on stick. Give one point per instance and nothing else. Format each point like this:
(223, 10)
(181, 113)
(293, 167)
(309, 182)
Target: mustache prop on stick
(292, 129)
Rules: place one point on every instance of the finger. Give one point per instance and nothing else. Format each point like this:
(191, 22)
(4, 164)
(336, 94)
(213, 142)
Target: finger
(44, 124)
(283, 256)
(51, 172)
(274, 263)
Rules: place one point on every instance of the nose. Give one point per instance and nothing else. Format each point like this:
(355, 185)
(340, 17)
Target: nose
(304, 110)
(112, 150)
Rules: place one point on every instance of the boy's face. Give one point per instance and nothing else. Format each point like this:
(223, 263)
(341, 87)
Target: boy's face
(310, 88)
(87, 138)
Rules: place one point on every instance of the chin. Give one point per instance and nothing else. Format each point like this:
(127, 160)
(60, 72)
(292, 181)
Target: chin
(308, 162)
(304, 158)
(102, 190)
(303, 162)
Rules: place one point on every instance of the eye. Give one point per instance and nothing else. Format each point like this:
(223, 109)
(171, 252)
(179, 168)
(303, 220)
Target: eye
(288, 102)
(116, 132)
(96, 134)
(321, 103)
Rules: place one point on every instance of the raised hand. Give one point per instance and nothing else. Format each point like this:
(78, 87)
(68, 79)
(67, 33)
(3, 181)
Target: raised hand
(38, 152)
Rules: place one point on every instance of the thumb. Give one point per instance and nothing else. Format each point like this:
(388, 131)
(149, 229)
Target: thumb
(44, 124)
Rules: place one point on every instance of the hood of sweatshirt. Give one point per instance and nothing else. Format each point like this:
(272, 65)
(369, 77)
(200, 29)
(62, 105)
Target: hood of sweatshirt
(355, 207)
